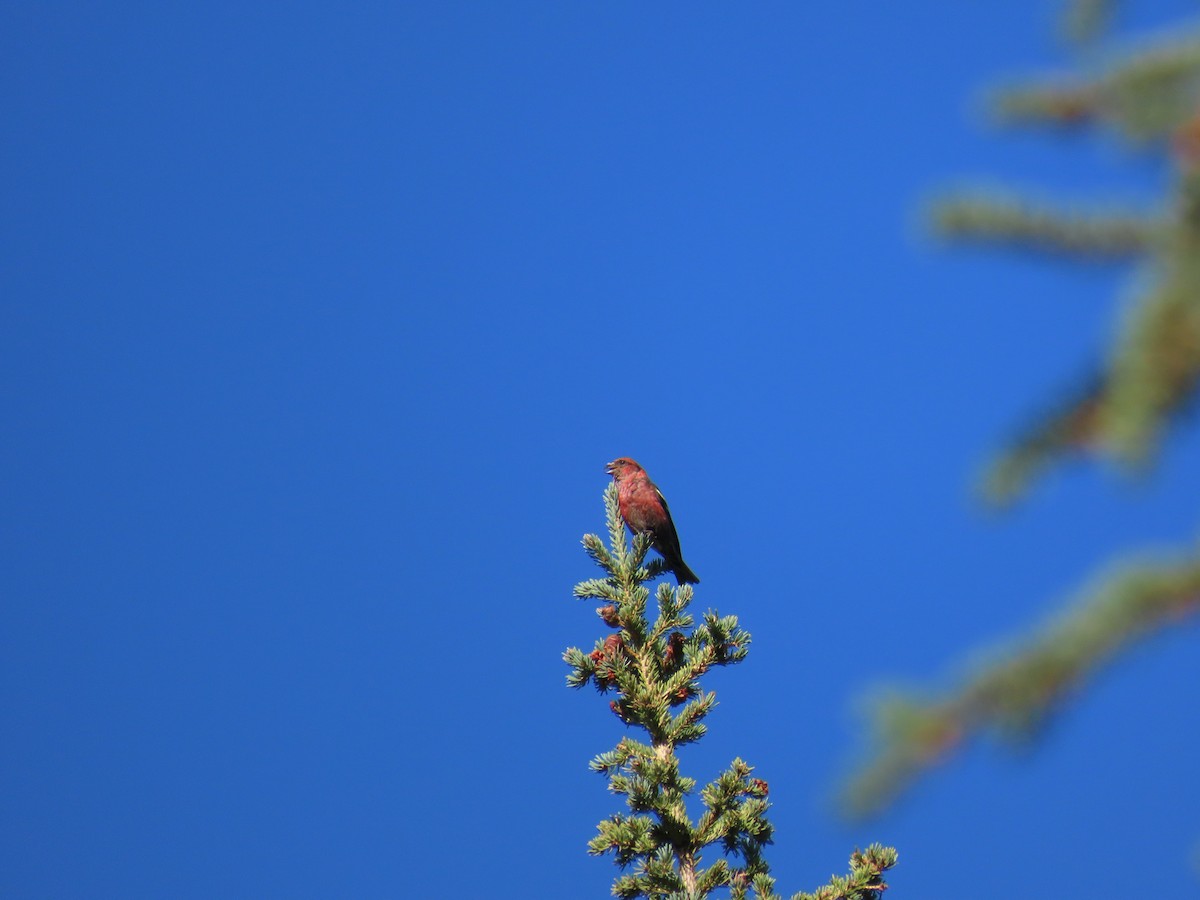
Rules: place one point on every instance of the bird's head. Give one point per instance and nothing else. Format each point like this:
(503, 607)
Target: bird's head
(622, 468)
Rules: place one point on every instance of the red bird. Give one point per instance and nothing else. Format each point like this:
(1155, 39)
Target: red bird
(644, 508)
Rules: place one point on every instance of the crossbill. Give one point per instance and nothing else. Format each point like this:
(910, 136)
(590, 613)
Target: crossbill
(644, 509)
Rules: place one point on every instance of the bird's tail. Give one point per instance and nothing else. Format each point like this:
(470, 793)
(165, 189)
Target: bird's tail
(684, 575)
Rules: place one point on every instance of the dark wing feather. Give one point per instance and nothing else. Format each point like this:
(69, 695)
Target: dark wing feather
(666, 541)
(669, 537)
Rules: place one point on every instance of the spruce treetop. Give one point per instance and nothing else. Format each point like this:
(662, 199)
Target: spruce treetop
(653, 667)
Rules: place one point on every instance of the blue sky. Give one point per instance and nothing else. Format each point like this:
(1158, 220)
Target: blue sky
(319, 327)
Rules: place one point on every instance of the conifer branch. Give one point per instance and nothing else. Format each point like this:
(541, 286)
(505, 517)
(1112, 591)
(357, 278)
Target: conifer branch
(1065, 105)
(865, 879)
(1119, 412)
(654, 669)
(1153, 370)
(1152, 375)
(1013, 222)
(1015, 694)
(1070, 428)
(1144, 95)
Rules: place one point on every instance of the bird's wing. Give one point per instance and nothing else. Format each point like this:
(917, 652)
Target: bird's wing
(671, 537)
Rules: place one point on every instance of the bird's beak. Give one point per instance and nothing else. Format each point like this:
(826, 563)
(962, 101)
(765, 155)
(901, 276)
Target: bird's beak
(611, 467)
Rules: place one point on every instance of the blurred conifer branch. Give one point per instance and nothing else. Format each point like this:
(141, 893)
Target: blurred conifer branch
(1015, 692)
(1150, 95)
(1012, 221)
(1119, 411)
(654, 670)
(1144, 95)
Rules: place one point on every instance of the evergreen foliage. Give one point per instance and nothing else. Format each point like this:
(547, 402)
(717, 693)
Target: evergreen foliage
(653, 669)
(1016, 693)
(1151, 97)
